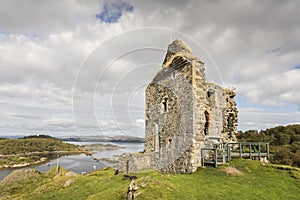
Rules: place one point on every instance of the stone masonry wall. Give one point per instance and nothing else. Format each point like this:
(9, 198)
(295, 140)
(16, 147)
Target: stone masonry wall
(168, 101)
(231, 116)
(200, 107)
(136, 162)
(217, 103)
(183, 113)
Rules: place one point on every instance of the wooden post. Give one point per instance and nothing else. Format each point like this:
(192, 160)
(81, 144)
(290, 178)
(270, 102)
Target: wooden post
(127, 166)
(227, 153)
(259, 151)
(267, 146)
(223, 152)
(202, 157)
(228, 147)
(57, 164)
(250, 151)
(240, 144)
(216, 157)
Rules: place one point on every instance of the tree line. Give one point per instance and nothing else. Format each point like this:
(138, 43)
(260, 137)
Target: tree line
(284, 142)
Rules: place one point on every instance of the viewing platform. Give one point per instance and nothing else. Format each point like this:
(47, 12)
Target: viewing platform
(223, 153)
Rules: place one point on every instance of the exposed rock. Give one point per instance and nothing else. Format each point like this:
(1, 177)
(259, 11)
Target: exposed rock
(264, 159)
(69, 182)
(131, 193)
(71, 174)
(19, 175)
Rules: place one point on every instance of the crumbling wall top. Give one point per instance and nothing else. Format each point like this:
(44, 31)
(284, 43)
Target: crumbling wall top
(178, 48)
(231, 93)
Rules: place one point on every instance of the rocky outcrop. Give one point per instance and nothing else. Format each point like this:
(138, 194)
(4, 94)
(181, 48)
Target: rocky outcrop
(20, 175)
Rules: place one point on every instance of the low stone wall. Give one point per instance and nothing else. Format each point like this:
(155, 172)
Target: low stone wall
(136, 162)
(142, 161)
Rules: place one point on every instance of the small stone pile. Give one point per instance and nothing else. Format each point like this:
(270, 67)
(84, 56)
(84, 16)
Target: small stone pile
(132, 191)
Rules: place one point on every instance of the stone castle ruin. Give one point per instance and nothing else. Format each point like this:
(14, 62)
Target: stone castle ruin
(184, 114)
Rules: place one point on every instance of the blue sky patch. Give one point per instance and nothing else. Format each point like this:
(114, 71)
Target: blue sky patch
(296, 67)
(112, 11)
(4, 34)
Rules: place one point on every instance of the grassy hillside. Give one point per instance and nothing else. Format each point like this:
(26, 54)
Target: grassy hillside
(34, 144)
(241, 179)
(31, 149)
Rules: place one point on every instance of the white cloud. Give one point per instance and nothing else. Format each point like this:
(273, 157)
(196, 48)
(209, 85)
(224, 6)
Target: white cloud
(42, 44)
(273, 90)
(38, 18)
(262, 119)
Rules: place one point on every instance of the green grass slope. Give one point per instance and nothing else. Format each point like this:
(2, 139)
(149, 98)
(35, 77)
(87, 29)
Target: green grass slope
(254, 180)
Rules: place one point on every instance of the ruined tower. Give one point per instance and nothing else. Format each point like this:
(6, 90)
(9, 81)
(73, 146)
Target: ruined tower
(185, 113)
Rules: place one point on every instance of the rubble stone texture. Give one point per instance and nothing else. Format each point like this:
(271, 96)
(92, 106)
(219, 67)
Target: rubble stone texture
(184, 113)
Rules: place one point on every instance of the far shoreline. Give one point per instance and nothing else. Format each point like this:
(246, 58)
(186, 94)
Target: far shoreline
(45, 155)
(100, 140)
(44, 158)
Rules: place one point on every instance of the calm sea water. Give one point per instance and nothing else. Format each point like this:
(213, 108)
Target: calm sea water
(82, 163)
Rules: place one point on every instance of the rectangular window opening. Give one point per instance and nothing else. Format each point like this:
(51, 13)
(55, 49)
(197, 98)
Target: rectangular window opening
(156, 142)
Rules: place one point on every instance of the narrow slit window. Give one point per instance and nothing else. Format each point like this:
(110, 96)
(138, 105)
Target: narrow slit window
(173, 74)
(156, 142)
(206, 125)
(209, 93)
(165, 104)
(170, 142)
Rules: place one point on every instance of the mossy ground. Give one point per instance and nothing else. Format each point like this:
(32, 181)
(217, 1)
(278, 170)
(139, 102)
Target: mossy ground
(259, 181)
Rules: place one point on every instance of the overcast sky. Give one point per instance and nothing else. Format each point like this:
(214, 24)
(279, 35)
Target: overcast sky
(71, 67)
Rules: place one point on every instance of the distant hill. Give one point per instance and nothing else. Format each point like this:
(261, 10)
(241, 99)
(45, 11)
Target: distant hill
(103, 138)
(33, 149)
(34, 143)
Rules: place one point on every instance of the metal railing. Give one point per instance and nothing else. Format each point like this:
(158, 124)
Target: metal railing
(234, 150)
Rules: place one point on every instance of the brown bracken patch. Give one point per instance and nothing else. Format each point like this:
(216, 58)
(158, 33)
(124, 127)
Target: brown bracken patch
(232, 171)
